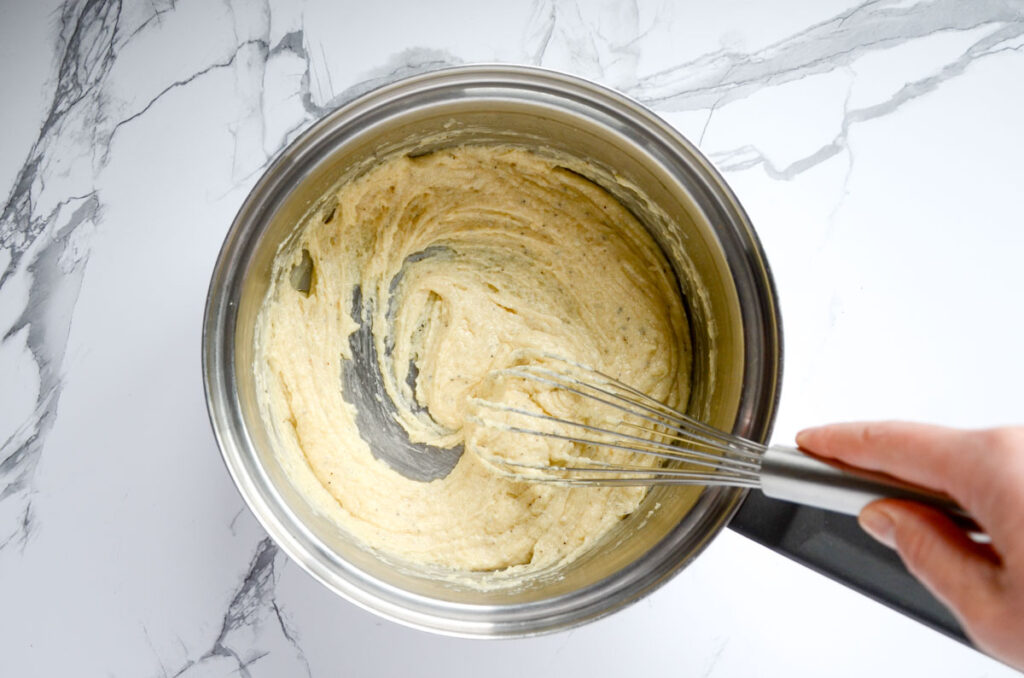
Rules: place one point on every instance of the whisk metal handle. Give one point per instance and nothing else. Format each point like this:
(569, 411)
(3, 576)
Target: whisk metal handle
(792, 475)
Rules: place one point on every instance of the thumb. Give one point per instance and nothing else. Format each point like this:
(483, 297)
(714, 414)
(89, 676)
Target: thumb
(958, 571)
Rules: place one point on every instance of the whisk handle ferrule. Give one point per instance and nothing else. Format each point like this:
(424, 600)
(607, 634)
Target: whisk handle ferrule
(792, 475)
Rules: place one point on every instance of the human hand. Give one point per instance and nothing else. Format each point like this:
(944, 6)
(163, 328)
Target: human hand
(982, 584)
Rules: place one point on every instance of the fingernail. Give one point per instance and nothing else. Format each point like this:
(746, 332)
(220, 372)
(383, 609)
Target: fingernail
(878, 524)
(801, 437)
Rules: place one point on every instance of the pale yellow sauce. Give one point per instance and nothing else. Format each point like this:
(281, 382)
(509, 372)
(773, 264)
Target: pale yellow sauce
(528, 255)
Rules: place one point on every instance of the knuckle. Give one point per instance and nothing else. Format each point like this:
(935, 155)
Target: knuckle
(1007, 441)
(914, 546)
(998, 470)
(873, 432)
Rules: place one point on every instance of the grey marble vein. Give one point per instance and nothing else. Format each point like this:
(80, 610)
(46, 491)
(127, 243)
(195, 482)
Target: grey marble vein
(715, 658)
(250, 624)
(989, 45)
(87, 52)
(539, 30)
(256, 43)
(86, 40)
(293, 42)
(726, 75)
(57, 271)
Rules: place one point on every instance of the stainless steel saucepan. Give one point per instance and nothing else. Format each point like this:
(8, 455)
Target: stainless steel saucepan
(652, 170)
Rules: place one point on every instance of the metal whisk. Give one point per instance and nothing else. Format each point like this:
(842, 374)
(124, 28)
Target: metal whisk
(637, 440)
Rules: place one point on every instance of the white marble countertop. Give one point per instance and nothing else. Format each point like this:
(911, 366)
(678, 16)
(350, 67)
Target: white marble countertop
(876, 146)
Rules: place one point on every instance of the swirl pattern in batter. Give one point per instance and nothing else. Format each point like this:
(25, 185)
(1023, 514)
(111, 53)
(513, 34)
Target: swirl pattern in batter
(448, 266)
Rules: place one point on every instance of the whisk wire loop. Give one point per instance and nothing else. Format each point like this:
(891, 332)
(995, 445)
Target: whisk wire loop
(640, 405)
(660, 433)
(654, 448)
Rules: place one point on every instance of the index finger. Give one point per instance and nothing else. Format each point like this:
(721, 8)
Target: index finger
(935, 457)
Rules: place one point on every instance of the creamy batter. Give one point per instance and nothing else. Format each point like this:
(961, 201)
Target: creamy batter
(458, 261)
